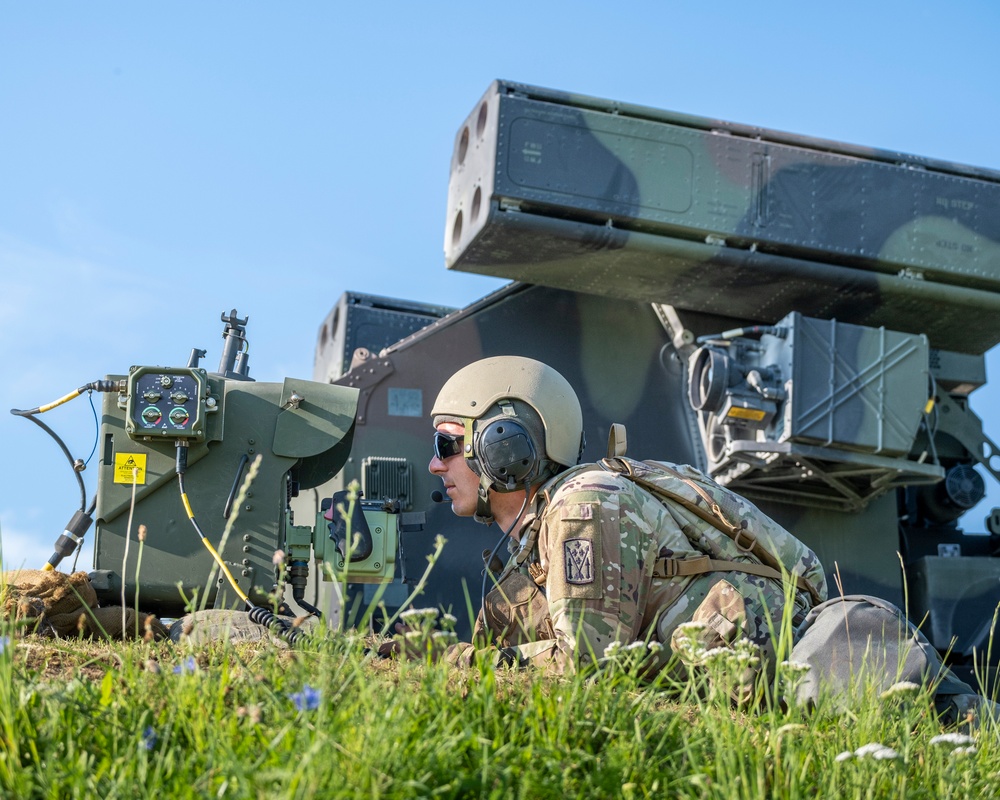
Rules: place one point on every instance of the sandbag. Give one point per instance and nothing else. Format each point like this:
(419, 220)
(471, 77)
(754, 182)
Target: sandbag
(216, 625)
(49, 602)
(106, 623)
(53, 603)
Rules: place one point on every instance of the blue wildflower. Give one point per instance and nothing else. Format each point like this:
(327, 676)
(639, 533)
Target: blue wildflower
(186, 666)
(307, 699)
(149, 738)
(4, 643)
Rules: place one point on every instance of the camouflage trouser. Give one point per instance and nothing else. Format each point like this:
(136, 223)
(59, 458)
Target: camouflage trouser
(714, 616)
(724, 637)
(730, 607)
(858, 642)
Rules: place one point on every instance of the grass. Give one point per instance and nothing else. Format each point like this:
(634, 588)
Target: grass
(329, 719)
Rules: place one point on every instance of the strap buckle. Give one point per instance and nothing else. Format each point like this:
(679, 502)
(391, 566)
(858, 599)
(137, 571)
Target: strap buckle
(682, 567)
(745, 541)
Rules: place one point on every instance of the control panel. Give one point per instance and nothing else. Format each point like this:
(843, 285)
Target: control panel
(166, 402)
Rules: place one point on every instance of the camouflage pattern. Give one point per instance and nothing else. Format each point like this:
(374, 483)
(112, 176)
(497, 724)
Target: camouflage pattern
(600, 196)
(618, 279)
(515, 612)
(593, 539)
(701, 497)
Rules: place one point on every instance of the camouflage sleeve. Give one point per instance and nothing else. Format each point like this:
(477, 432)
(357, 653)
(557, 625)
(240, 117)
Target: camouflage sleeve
(546, 649)
(598, 544)
(596, 547)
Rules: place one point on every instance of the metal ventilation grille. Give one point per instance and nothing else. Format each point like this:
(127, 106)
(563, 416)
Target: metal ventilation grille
(387, 478)
(965, 486)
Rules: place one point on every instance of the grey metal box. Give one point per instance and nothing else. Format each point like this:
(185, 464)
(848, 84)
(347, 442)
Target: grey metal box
(368, 322)
(851, 387)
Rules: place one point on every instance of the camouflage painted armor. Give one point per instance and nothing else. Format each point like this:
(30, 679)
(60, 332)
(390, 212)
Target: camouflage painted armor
(595, 542)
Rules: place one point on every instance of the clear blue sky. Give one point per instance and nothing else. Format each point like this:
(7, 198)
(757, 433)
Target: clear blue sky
(162, 163)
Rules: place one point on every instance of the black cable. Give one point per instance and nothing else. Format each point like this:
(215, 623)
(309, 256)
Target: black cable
(487, 571)
(275, 624)
(63, 447)
(228, 509)
(79, 547)
(307, 606)
(100, 386)
(257, 614)
(181, 468)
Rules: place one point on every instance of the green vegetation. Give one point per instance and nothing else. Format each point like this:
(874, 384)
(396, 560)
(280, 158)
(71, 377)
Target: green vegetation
(330, 719)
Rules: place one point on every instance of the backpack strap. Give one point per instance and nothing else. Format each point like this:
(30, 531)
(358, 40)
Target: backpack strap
(744, 540)
(684, 567)
(531, 521)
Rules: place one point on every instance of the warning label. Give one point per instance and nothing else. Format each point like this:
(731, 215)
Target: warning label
(746, 413)
(127, 464)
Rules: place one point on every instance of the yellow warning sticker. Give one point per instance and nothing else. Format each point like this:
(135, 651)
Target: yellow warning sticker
(746, 413)
(125, 463)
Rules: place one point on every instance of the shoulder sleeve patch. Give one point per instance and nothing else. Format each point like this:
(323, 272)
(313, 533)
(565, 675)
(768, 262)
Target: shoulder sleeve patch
(578, 561)
(573, 547)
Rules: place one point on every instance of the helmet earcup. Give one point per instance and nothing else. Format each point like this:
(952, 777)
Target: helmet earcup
(505, 453)
(478, 389)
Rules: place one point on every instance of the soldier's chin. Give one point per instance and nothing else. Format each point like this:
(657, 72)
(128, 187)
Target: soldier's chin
(461, 511)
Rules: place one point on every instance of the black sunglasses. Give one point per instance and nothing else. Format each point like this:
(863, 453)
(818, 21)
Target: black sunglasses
(447, 445)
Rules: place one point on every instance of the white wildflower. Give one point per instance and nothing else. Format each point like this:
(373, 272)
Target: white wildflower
(847, 755)
(954, 739)
(611, 649)
(717, 656)
(414, 616)
(747, 659)
(635, 646)
(689, 650)
(690, 628)
(794, 668)
(901, 689)
(961, 752)
(654, 647)
(879, 752)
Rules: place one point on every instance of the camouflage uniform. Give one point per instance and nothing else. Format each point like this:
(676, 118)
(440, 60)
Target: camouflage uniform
(592, 541)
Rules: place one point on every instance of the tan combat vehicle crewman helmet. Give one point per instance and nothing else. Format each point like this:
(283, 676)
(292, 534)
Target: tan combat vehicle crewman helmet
(519, 390)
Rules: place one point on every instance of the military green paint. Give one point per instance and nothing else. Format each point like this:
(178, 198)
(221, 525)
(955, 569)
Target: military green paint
(312, 437)
(596, 196)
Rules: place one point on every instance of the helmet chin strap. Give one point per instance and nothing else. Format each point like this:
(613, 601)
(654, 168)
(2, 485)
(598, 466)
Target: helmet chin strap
(484, 513)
